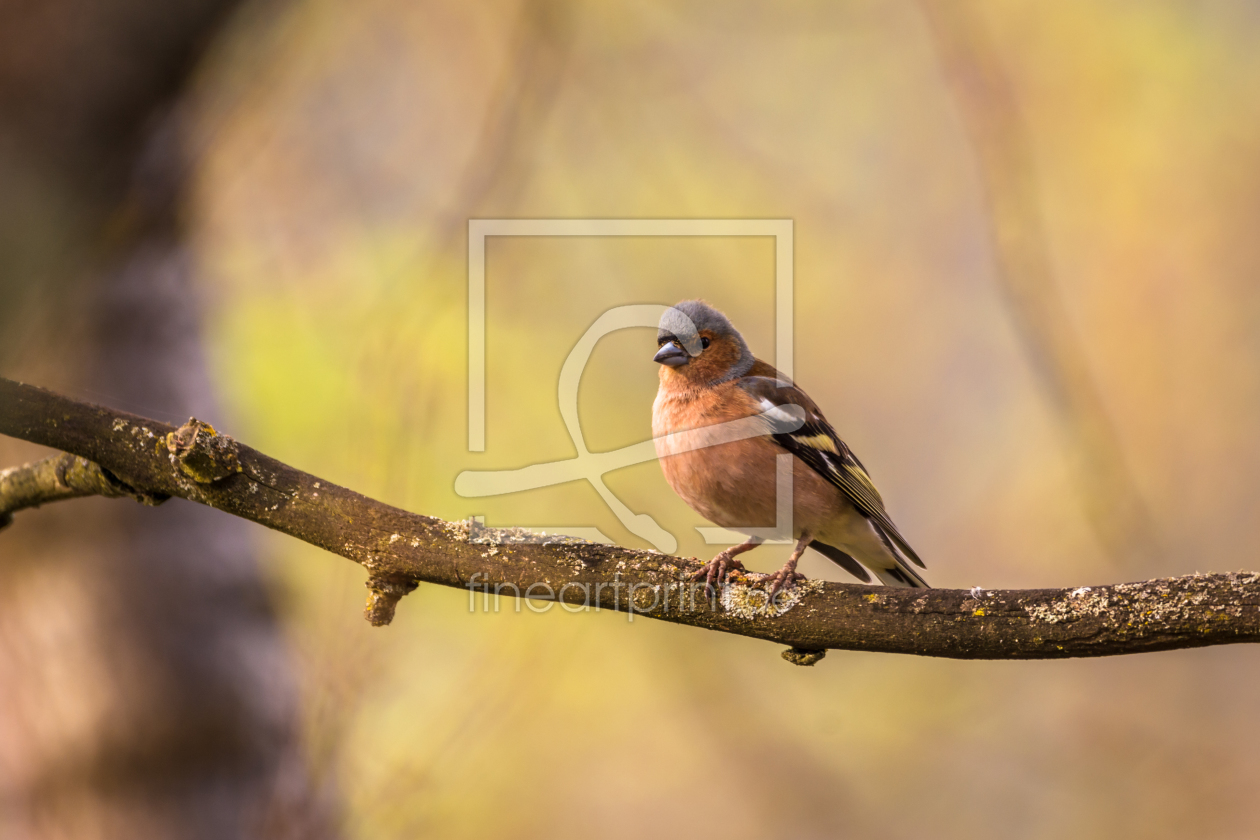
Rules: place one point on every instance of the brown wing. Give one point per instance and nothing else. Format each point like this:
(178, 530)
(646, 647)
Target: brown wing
(817, 444)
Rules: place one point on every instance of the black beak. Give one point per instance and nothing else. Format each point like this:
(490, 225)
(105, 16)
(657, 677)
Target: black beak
(671, 354)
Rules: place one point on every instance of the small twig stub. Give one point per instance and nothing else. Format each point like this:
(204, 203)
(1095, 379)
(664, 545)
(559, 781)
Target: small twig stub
(203, 454)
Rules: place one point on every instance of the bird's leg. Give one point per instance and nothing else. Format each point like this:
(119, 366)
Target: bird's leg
(787, 576)
(719, 567)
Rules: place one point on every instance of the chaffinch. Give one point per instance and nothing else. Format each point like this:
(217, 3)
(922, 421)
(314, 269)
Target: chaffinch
(709, 376)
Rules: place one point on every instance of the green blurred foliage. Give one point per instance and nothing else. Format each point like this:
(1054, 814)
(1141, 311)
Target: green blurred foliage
(346, 148)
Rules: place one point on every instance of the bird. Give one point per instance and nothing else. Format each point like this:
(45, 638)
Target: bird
(709, 376)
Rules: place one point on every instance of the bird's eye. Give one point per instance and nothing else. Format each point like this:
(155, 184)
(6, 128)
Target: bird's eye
(704, 343)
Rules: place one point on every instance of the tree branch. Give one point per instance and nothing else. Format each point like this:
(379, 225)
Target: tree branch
(55, 478)
(122, 454)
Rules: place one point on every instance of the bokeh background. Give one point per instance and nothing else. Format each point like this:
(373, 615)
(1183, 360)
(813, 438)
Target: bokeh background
(1026, 295)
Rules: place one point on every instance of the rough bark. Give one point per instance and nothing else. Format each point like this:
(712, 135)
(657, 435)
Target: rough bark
(399, 549)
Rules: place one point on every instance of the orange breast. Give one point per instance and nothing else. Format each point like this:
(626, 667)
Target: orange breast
(733, 484)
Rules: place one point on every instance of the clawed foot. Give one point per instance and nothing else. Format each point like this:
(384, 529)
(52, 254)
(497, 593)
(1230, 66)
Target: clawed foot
(785, 578)
(718, 569)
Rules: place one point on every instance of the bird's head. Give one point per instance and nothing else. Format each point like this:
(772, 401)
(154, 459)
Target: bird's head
(699, 344)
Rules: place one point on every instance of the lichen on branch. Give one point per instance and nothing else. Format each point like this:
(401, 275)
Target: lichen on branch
(59, 477)
(112, 453)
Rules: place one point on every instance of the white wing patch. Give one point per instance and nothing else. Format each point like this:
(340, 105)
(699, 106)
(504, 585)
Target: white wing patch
(790, 416)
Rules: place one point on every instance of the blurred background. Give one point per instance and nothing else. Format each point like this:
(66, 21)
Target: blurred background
(1026, 295)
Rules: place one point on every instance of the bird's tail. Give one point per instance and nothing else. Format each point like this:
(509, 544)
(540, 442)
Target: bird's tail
(902, 576)
(903, 573)
(842, 560)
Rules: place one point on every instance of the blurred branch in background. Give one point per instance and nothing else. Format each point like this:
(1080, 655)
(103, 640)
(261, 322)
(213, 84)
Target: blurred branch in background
(152, 459)
(489, 182)
(496, 172)
(990, 113)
